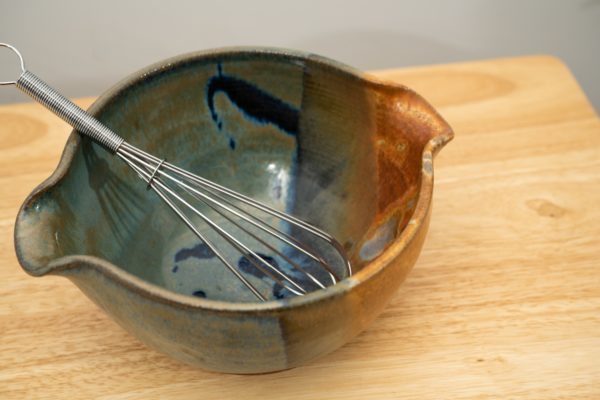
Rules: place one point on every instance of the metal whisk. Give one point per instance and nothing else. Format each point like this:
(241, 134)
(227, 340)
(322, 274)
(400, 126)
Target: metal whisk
(194, 198)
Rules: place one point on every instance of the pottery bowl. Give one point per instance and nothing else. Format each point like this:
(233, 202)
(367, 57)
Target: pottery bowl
(342, 150)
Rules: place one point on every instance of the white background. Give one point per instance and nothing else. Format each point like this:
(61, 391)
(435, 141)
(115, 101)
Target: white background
(83, 47)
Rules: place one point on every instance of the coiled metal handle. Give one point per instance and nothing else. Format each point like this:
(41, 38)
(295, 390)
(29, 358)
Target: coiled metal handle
(41, 92)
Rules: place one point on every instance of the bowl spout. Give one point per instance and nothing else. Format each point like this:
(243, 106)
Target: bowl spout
(37, 234)
(406, 123)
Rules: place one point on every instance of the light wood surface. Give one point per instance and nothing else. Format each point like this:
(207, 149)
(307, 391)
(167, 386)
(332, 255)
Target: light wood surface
(504, 301)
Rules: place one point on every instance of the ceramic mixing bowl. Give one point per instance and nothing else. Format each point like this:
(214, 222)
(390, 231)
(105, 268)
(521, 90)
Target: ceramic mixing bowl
(342, 150)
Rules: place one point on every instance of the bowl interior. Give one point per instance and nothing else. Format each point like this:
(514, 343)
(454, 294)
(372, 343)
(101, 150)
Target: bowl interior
(298, 134)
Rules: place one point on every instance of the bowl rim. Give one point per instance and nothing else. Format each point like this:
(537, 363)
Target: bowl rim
(163, 295)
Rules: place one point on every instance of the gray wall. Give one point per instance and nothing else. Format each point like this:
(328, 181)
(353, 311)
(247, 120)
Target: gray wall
(83, 47)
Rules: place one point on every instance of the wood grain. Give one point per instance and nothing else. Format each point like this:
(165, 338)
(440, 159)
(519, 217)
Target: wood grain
(504, 301)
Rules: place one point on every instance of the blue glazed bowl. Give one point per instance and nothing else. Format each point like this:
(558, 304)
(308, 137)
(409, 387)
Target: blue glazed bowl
(307, 135)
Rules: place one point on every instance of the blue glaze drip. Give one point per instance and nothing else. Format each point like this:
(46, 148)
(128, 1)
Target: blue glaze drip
(259, 105)
(201, 251)
(245, 265)
(200, 293)
(277, 191)
(232, 143)
(279, 292)
(175, 268)
(253, 101)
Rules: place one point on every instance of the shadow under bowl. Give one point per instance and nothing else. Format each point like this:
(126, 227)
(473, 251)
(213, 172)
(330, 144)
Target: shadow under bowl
(317, 139)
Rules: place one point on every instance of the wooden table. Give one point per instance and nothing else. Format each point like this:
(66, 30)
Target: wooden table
(504, 301)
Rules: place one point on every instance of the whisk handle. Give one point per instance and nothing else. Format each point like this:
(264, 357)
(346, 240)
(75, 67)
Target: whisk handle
(68, 111)
(61, 106)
